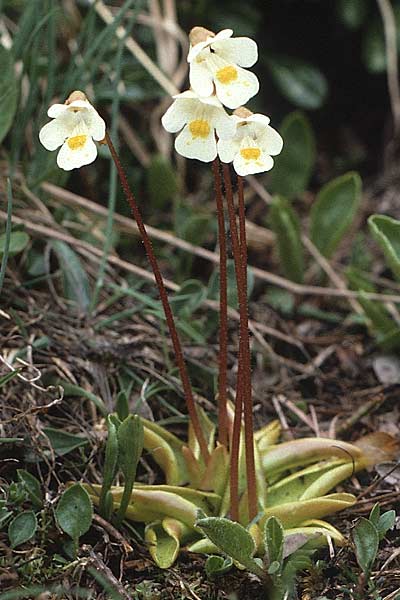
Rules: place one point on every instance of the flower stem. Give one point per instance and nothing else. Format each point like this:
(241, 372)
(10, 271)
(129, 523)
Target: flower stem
(243, 385)
(248, 404)
(223, 311)
(164, 300)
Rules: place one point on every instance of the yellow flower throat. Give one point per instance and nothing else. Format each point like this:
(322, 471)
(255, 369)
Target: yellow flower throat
(199, 128)
(76, 142)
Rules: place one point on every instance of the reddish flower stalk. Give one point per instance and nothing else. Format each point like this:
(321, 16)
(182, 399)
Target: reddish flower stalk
(248, 403)
(164, 300)
(243, 386)
(223, 311)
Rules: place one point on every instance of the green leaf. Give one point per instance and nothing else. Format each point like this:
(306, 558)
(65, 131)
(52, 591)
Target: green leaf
(233, 539)
(374, 46)
(75, 279)
(280, 300)
(300, 82)
(299, 561)
(32, 486)
(213, 284)
(8, 92)
(386, 232)
(189, 297)
(130, 445)
(386, 522)
(63, 442)
(75, 390)
(74, 512)
(286, 225)
(381, 324)
(8, 376)
(274, 538)
(122, 404)
(333, 212)
(366, 541)
(375, 514)
(352, 12)
(4, 516)
(18, 241)
(293, 167)
(110, 468)
(22, 528)
(217, 565)
(164, 539)
(161, 182)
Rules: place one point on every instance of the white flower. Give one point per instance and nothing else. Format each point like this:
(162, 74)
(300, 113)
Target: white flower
(74, 126)
(253, 145)
(218, 61)
(199, 118)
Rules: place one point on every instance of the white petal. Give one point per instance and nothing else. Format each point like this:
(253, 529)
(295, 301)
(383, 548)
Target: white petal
(178, 114)
(258, 118)
(68, 159)
(241, 51)
(250, 167)
(271, 141)
(238, 91)
(197, 48)
(224, 34)
(202, 148)
(227, 150)
(95, 124)
(201, 78)
(53, 134)
(80, 104)
(56, 110)
(225, 125)
(185, 94)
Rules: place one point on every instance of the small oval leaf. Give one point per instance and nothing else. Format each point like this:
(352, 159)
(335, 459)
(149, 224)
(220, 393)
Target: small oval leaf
(386, 522)
(217, 565)
(18, 242)
(75, 279)
(22, 528)
(366, 541)
(74, 512)
(232, 538)
(32, 486)
(352, 12)
(286, 226)
(274, 540)
(63, 442)
(333, 212)
(293, 167)
(386, 231)
(300, 82)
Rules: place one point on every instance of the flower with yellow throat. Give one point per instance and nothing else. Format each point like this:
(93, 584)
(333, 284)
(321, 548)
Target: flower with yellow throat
(74, 126)
(216, 64)
(199, 118)
(253, 145)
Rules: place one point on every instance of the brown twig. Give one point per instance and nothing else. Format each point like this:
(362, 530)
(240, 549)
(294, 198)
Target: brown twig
(165, 302)
(290, 286)
(223, 311)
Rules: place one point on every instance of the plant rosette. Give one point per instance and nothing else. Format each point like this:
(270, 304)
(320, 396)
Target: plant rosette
(301, 475)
